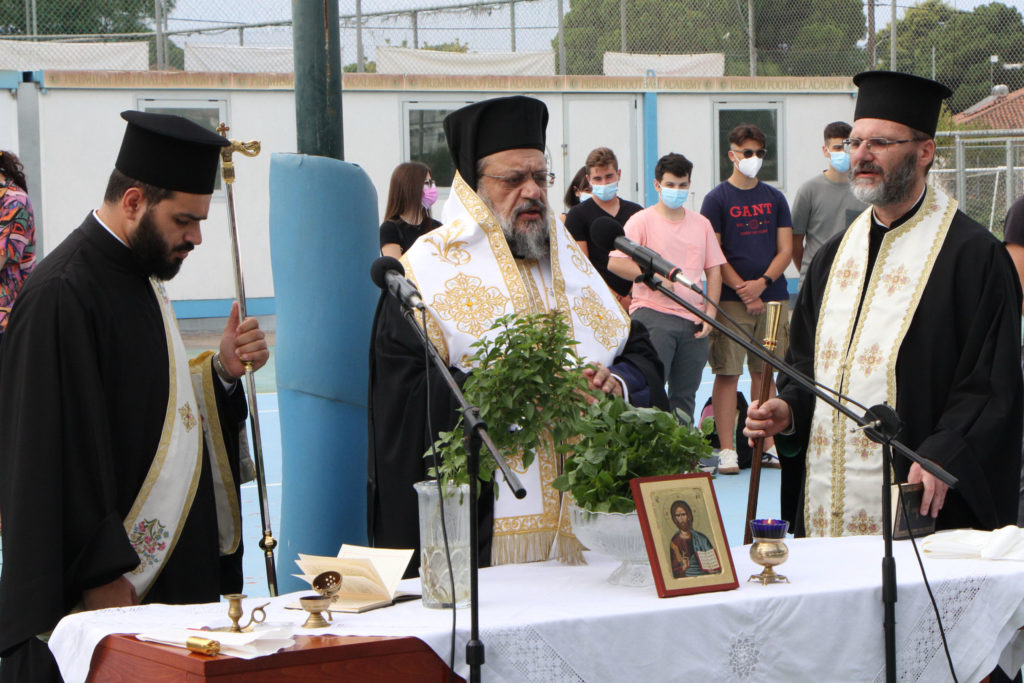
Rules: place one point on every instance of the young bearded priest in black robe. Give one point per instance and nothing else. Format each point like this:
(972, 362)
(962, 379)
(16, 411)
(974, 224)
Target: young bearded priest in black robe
(499, 244)
(915, 305)
(120, 468)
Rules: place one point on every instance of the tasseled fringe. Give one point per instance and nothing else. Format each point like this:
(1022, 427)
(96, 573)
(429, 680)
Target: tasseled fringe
(515, 548)
(568, 549)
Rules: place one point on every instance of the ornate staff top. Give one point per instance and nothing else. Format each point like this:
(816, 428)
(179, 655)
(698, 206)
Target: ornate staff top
(249, 149)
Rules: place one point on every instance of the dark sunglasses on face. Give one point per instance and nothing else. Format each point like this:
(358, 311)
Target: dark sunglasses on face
(747, 153)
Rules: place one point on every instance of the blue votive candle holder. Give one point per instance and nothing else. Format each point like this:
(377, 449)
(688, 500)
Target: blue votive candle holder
(768, 528)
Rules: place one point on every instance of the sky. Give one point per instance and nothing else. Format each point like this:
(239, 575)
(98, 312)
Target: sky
(490, 34)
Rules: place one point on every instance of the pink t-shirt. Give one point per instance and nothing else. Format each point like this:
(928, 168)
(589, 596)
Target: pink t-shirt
(690, 244)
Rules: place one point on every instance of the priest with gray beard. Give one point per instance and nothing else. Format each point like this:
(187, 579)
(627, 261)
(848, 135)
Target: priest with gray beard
(915, 305)
(499, 250)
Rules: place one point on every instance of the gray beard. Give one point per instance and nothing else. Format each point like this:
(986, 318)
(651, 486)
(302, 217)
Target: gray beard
(894, 187)
(532, 243)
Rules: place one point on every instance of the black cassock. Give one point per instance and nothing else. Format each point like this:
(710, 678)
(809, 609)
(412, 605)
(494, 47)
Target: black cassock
(398, 434)
(958, 379)
(84, 377)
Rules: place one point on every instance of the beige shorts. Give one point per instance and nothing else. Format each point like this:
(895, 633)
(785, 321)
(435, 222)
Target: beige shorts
(727, 356)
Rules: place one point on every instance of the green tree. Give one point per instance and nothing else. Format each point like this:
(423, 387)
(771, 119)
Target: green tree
(963, 43)
(793, 37)
(76, 17)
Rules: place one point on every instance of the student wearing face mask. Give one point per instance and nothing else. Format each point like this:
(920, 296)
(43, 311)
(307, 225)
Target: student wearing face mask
(825, 205)
(410, 196)
(578, 192)
(754, 227)
(603, 174)
(686, 239)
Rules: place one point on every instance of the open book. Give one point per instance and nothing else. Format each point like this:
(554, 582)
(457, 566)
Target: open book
(369, 576)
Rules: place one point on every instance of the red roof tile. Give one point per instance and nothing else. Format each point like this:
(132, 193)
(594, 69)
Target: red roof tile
(1006, 111)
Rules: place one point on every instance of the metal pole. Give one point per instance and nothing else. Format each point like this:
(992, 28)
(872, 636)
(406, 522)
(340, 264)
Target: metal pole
(360, 64)
(871, 34)
(961, 179)
(892, 39)
(933, 62)
(512, 24)
(561, 37)
(241, 36)
(28, 17)
(318, 112)
(750, 38)
(35, 23)
(414, 17)
(1009, 174)
(158, 38)
(622, 25)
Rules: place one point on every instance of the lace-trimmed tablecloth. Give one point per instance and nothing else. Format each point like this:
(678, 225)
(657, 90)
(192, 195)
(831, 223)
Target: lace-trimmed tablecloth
(549, 622)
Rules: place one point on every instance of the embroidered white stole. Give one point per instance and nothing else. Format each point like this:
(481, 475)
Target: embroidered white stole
(158, 514)
(858, 357)
(468, 279)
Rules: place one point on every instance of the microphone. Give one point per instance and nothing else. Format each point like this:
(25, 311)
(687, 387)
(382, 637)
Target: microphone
(387, 272)
(607, 234)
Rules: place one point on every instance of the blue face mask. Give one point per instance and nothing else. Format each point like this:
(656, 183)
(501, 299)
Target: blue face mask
(605, 193)
(674, 197)
(840, 161)
(584, 196)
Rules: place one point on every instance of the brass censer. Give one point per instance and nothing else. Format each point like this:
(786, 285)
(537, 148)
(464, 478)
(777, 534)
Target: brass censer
(769, 549)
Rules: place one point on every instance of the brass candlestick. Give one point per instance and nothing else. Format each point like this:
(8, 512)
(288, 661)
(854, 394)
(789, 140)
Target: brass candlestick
(235, 613)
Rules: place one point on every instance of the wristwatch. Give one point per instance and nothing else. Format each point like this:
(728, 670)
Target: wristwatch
(768, 281)
(222, 372)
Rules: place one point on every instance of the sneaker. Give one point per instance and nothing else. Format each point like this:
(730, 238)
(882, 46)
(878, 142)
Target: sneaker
(770, 460)
(709, 464)
(728, 461)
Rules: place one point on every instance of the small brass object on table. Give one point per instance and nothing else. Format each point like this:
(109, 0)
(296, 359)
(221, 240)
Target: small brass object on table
(769, 549)
(204, 646)
(328, 584)
(315, 604)
(235, 613)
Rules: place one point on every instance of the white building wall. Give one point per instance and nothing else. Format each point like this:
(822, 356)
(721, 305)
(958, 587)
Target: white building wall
(81, 132)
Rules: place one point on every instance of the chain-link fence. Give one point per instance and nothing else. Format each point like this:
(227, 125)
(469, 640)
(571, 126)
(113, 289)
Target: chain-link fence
(968, 44)
(984, 170)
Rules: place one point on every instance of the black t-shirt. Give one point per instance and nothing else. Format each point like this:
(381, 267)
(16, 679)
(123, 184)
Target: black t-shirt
(1013, 228)
(578, 221)
(397, 231)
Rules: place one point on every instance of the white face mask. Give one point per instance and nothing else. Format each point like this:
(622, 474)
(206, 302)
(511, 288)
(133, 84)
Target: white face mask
(750, 167)
(584, 196)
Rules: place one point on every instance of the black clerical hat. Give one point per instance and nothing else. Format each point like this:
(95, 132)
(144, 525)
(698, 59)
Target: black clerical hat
(169, 152)
(903, 98)
(492, 126)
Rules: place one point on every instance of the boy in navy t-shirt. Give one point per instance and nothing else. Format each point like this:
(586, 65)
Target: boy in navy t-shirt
(754, 226)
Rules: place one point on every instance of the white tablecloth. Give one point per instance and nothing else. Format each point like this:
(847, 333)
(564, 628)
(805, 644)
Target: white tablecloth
(549, 622)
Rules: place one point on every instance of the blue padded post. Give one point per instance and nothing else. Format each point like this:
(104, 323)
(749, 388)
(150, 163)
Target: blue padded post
(323, 238)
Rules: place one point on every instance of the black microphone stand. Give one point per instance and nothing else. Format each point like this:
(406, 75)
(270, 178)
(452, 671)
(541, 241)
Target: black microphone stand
(474, 433)
(880, 424)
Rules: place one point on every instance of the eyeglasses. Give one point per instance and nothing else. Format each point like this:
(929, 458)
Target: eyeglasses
(516, 180)
(429, 182)
(747, 153)
(876, 145)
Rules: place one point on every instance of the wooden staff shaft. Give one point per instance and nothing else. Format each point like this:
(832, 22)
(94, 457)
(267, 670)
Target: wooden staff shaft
(773, 312)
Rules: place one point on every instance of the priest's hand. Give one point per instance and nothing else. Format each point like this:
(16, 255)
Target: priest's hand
(242, 342)
(934, 490)
(118, 593)
(600, 378)
(769, 419)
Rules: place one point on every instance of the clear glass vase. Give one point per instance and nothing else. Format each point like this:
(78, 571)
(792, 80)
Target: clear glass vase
(435, 578)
